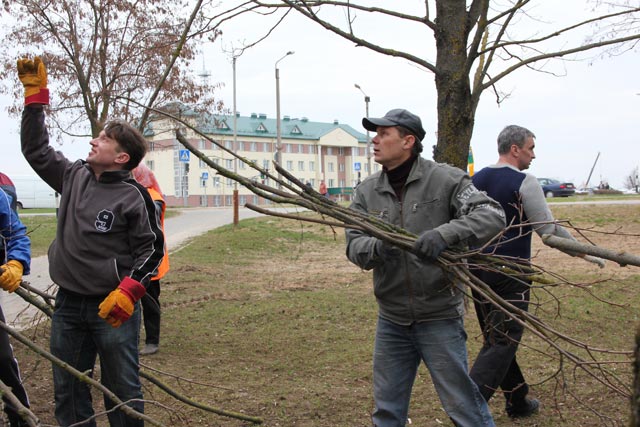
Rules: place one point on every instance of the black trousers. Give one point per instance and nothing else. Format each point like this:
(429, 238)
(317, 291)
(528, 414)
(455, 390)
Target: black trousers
(151, 313)
(10, 375)
(496, 365)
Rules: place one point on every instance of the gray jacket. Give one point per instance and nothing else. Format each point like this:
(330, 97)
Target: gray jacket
(436, 196)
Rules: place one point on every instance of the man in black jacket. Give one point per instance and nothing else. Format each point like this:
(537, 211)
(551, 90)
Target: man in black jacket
(108, 246)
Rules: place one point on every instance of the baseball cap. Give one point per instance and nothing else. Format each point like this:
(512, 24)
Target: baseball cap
(397, 117)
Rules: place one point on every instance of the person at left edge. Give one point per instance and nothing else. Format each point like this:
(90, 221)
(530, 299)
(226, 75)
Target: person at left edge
(15, 260)
(108, 245)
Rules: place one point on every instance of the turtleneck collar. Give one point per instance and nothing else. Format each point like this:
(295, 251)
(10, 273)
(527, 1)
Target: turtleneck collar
(398, 176)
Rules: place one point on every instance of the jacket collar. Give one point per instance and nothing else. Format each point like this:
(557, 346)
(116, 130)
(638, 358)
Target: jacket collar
(416, 173)
(108, 177)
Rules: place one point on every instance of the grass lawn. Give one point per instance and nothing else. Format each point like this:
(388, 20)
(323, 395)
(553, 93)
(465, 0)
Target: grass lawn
(270, 319)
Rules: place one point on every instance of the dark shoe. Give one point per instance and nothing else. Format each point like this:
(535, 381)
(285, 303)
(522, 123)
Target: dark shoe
(524, 409)
(149, 349)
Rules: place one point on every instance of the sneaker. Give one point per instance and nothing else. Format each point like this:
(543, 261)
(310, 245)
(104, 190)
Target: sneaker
(149, 349)
(525, 409)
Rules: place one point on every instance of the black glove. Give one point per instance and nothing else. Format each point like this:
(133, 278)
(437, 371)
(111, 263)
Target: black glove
(386, 250)
(430, 245)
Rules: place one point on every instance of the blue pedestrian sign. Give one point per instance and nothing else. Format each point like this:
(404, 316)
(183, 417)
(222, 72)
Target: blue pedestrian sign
(356, 166)
(184, 155)
(205, 176)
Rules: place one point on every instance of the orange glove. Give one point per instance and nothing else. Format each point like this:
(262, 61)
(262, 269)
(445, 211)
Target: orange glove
(11, 275)
(118, 306)
(33, 76)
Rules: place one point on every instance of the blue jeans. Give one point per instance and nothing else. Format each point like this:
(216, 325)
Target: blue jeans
(441, 344)
(78, 335)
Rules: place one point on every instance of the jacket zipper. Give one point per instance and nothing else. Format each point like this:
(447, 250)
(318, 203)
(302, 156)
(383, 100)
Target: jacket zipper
(405, 257)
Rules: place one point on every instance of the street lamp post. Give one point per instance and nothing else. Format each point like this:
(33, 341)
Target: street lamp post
(236, 215)
(278, 124)
(366, 103)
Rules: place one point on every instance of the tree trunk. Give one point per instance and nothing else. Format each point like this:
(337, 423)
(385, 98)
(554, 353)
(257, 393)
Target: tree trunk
(455, 103)
(635, 399)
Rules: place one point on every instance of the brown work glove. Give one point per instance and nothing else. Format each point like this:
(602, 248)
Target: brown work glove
(33, 75)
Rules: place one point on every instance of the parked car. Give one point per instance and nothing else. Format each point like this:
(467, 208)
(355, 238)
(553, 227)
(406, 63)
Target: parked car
(33, 192)
(555, 188)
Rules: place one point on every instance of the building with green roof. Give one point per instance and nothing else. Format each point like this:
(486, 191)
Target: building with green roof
(310, 151)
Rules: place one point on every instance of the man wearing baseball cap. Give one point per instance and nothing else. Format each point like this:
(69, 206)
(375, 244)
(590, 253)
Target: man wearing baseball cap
(420, 308)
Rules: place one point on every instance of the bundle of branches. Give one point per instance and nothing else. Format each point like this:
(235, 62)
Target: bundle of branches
(289, 190)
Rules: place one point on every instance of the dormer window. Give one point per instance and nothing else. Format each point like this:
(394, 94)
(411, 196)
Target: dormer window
(261, 128)
(296, 131)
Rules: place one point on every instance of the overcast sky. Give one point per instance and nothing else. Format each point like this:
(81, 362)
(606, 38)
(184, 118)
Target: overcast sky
(594, 107)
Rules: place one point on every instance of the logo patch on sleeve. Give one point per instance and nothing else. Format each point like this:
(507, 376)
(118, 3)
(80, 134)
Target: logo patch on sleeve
(104, 220)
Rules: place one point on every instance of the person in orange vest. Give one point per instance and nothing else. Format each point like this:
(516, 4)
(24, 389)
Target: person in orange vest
(323, 189)
(151, 300)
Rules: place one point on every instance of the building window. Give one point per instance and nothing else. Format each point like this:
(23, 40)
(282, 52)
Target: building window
(312, 166)
(341, 151)
(342, 183)
(241, 146)
(202, 164)
(331, 169)
(266, 147)
(289, 165)
(229, 164)
(341, 167)
(376, 167)
(287, 148)
(228, 145)
(151, 164)
(331, 183)
(254, 146)
(241, 164)
(312, 149)
(216, 181)
(300, 148)
(300, 166)
(329, 151)
(265, 164)
(202, 144)
(229, 182)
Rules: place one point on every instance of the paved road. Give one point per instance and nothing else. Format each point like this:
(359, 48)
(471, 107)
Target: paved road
(179, 230)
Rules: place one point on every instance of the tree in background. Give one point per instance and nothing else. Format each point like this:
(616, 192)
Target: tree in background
(108, 58)
(477, 44)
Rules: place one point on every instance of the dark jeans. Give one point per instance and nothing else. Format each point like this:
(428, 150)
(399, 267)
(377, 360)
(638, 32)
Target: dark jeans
(10, 375)
(151, 313)
(78, 335)
(496, 365)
